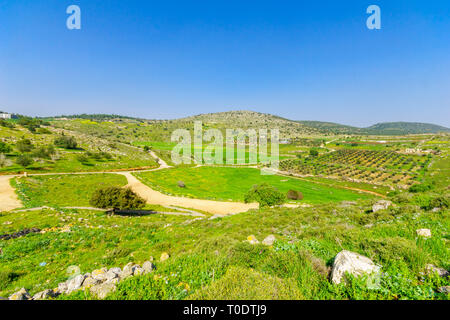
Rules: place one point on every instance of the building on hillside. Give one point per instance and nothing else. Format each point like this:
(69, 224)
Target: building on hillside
(4, 115)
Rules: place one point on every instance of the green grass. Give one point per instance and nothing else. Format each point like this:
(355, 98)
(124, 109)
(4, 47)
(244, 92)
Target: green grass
(63, 190)
(210, 258)
(225, 183)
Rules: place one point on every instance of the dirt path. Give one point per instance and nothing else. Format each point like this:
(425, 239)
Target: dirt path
(156, 197)
(8, 197)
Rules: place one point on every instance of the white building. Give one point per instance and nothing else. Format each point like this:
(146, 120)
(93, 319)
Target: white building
(5, 115)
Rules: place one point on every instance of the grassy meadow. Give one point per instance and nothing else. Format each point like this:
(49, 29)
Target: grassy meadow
(231, 184)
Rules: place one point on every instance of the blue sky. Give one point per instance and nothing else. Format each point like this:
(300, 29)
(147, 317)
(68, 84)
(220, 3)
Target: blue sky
(304, 60)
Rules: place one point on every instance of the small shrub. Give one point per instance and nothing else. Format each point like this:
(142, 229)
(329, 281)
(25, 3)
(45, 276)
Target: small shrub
(265, 195)
(24, 145)
(294, 195)
(4, 148)
(66, 142)
(439, 202)
(116, 198)
(24, 160)
(83, 158)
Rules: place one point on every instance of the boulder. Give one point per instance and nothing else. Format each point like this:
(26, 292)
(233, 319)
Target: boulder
(112, 274)
(181, 184)
(62, 287)
(75, 283)
(444, 289)
(269, 240)
(381, 205)
(90, 282)
(440, 271)
(148, 267)
(352, 263)
(46, 294)
(128, 270)
(22, 294)
(137, 271)
(102, 290)
(99, 274)
(426, 233)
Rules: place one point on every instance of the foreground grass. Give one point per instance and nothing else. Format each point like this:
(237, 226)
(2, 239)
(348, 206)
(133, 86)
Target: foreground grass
(63, 190)
(210, 258)
(226, 183)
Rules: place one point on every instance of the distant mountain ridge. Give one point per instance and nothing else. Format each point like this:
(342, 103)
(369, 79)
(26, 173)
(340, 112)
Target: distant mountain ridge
(384, 128)
(247, 119)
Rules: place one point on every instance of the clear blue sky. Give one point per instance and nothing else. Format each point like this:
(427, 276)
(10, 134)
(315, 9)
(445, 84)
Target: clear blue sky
(304, 60)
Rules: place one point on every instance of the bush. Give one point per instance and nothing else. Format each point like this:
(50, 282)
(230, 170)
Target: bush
(4, 148)
(116, 198)
(82, 158)
(24, 160)
(44, 152)
(265, 195)
(439, 202)
(294, 195)
(66, 142)
(313, 152)
(420, 188)
(24, 145)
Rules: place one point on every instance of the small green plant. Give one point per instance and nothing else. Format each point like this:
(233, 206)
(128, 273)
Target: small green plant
(265, 195)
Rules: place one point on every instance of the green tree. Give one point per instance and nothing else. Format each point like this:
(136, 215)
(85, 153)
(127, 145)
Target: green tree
(4, 148)
(66, 142)
(265, 195)
(116, 198)
(24, 160)
(313, 152)
(24, 145)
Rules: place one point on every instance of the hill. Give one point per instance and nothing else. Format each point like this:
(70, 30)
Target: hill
(400, 128)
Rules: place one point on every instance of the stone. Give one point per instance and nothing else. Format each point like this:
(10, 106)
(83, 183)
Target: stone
(128, 270)
(164, 256)
(62, 287)
(426, 233)
(113, 273)
(440, 271)
(381, 205)
(102, 290)
(444, 289)
(148, 267)
(75, 283)
(46, 294)
(90, 282)
(252, 239)
(137, 270)
(269, 240)
(22, 294)
(352, 263)
(99, 274)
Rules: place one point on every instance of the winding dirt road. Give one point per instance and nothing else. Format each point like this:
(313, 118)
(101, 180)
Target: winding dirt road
(156, 197)
(8, 197)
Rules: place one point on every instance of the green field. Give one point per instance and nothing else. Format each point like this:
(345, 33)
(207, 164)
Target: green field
(63, 190)
(231, 184)
(210, 257)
